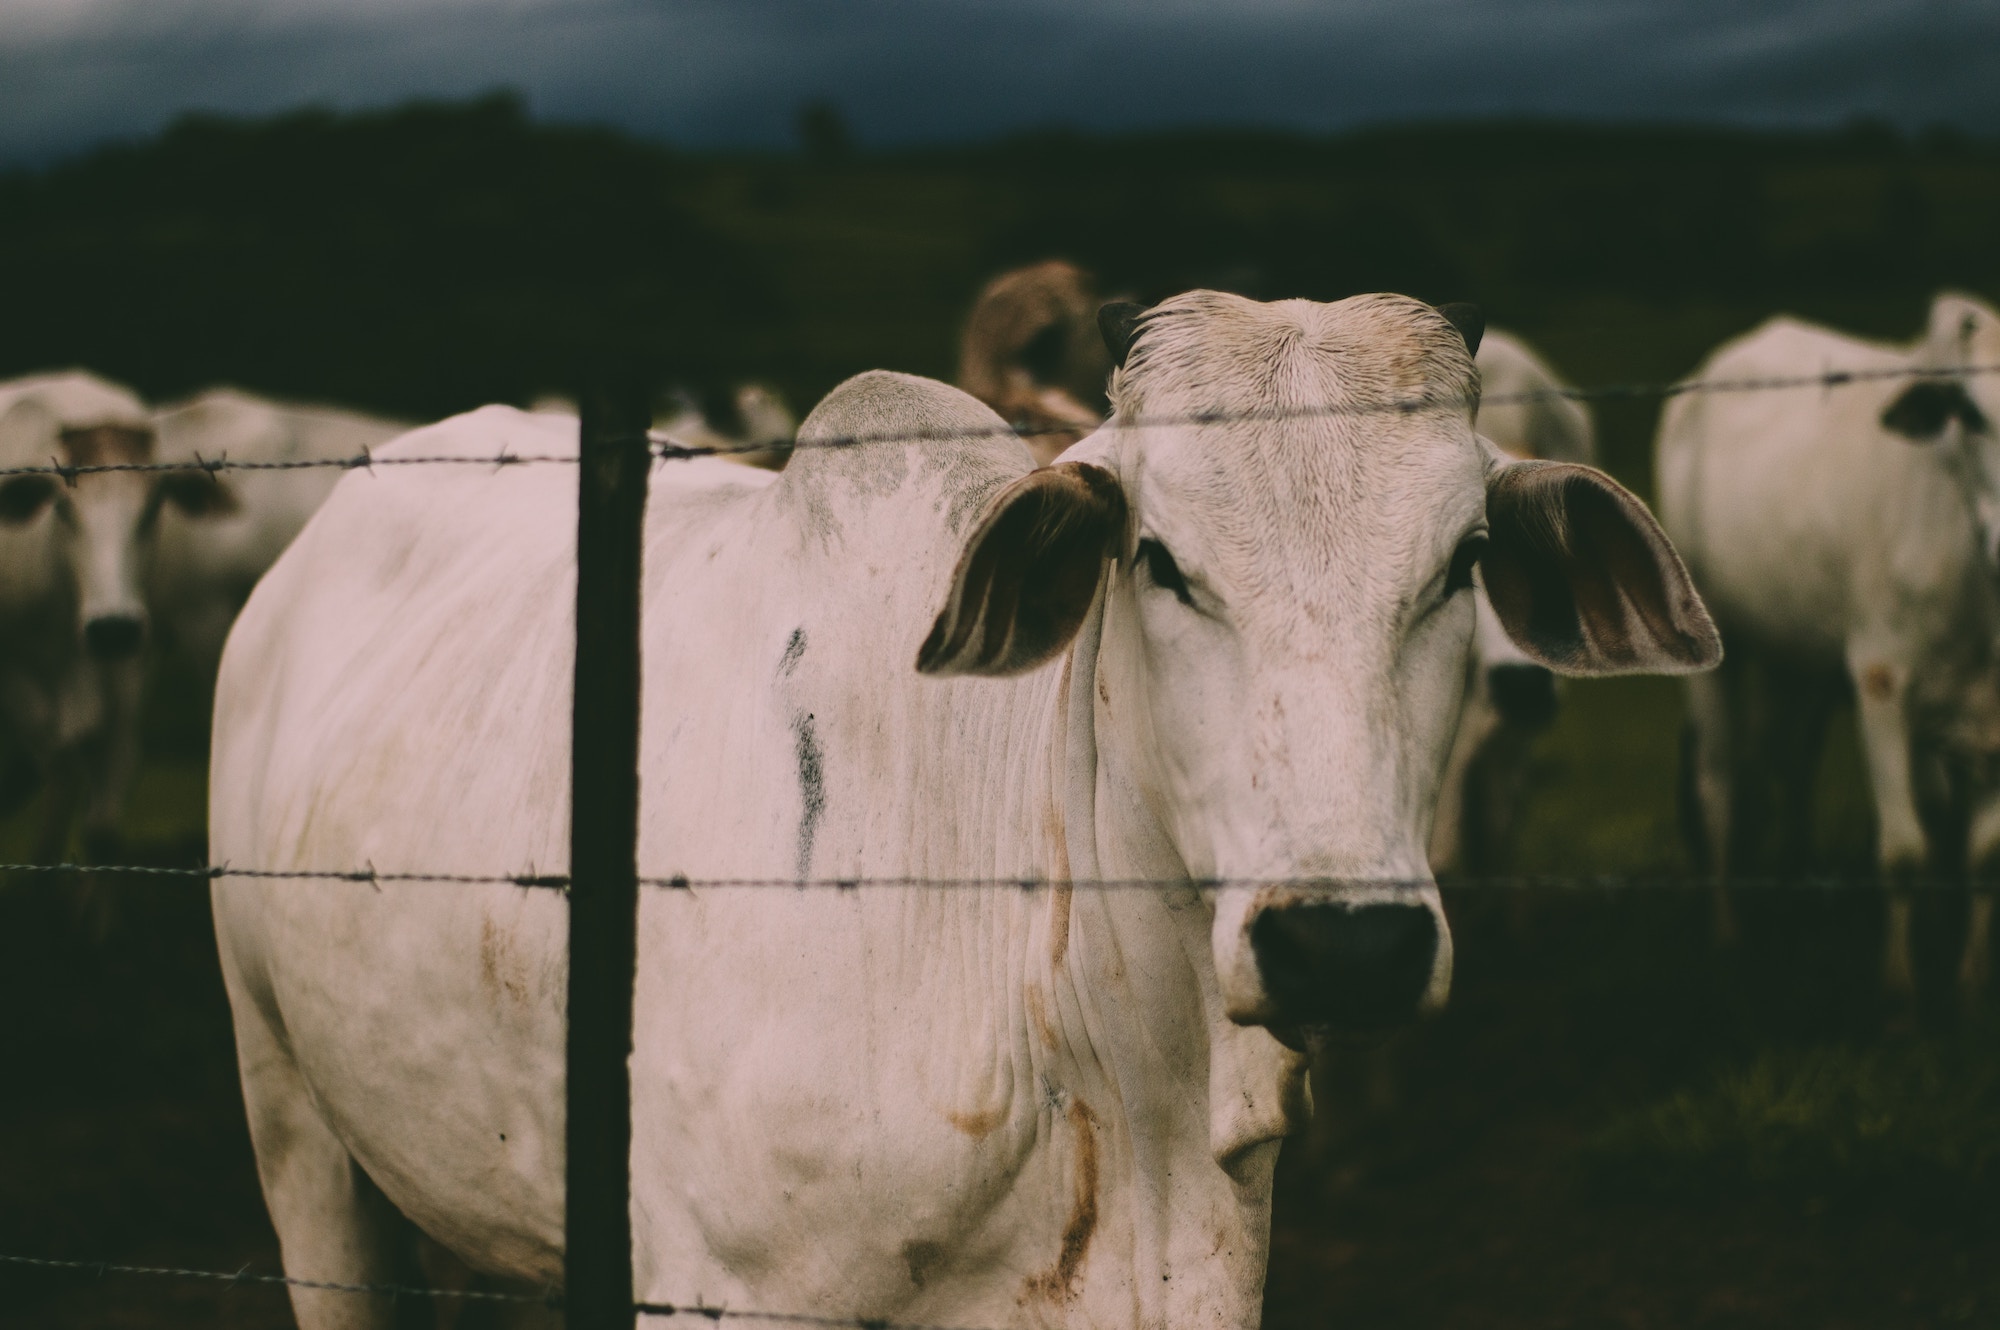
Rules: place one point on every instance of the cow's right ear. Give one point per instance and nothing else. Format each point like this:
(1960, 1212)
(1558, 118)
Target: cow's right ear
(1028, 573)
(1584, 580)
(1922, 411)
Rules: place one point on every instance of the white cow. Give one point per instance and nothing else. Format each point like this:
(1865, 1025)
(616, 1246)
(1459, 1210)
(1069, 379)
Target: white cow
(72, 616)
(220, 531)
(763, 431)
(1509, 698)
(1850, 529)
(1230, 652)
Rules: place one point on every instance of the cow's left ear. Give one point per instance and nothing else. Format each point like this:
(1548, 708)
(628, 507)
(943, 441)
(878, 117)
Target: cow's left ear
(1584, 580)
(1921, 412)
(1028, 573)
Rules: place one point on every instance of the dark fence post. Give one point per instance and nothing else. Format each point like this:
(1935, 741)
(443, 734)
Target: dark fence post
(603, 850)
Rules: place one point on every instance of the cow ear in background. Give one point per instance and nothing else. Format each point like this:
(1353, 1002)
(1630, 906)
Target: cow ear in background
(1470, 321)
(1028, 573)
(1921, 411)
(1584, 580)
(1119, 323)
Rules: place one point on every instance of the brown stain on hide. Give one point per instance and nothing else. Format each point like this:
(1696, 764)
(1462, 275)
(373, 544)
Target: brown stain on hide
(1038, 1012)
(976, 1125)
(500, 970)
(1879, 682)
(1059, 897)
(1058, 1283)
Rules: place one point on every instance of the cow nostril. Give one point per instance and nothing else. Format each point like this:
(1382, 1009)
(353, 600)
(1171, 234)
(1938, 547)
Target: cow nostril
(114, 636)
(1523, 694)
(1354, 968)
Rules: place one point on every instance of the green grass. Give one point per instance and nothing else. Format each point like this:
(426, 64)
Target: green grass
(1918, 1117)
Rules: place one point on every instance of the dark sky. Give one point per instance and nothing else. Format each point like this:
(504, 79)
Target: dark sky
(722, 72)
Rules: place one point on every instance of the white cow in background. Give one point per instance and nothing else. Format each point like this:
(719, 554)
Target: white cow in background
(1850, 530)
(760, 435)
(1227, 654)
(73, 619)
(1509, 697)
(221, 530)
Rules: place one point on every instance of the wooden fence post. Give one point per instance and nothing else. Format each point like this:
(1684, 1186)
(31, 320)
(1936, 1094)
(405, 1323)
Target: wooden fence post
(603, 848)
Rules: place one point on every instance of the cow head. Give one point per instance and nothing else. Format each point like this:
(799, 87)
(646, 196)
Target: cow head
(1286, 618)
(1956, 413)
(1030, 350)
(81, 538)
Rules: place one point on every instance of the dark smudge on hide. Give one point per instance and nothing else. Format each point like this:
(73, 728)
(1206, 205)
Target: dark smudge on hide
(812, 788)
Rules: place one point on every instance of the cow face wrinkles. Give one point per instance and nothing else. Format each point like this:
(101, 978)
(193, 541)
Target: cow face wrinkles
(1285, 637)
(1286, 623)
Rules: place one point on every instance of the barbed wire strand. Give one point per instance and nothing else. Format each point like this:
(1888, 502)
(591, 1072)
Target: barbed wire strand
(1494, 882)
(666, 448)
(663, 1309)
(246, 1276)
(552, 1301)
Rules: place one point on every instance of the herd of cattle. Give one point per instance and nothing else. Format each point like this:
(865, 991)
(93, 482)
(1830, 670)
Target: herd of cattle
(1227, 652)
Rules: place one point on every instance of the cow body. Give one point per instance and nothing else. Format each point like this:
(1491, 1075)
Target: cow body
(1847, 532)
(219, 533)
(1509, 698)
(72, 614)
(968, 1104)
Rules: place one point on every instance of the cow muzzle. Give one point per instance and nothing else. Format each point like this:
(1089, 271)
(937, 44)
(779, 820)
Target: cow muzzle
(1335, 962)
(111, 638)
(1358, 968)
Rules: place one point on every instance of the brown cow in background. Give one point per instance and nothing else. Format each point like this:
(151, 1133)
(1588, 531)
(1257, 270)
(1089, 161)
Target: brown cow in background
(1031, 351)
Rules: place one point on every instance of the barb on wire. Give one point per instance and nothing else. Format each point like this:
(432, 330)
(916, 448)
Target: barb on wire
(667, 448)
(245, 1276)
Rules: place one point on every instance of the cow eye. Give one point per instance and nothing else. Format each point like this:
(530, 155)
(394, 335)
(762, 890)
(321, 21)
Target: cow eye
(1467, 556)
(21, 497)
(196, 494)
(1166, 574)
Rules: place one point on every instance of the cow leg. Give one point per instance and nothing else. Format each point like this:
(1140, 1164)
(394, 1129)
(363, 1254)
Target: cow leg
(20, 778)
(1975, 963)
(58, 810)
(1709, 790)
(333, 1224)
(1901, 848)
(1975, 966)
(1803, 702)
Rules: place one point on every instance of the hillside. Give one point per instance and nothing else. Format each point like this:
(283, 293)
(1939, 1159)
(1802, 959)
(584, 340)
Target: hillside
(433, 257)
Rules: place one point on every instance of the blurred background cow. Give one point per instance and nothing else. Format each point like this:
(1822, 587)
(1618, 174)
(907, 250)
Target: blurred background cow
(1849, 538)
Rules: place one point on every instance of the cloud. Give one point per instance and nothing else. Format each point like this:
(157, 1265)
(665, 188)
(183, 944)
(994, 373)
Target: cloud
(731, 71)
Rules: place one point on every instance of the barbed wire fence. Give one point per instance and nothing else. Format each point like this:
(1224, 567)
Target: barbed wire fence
(666, 448)
(616, 451)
